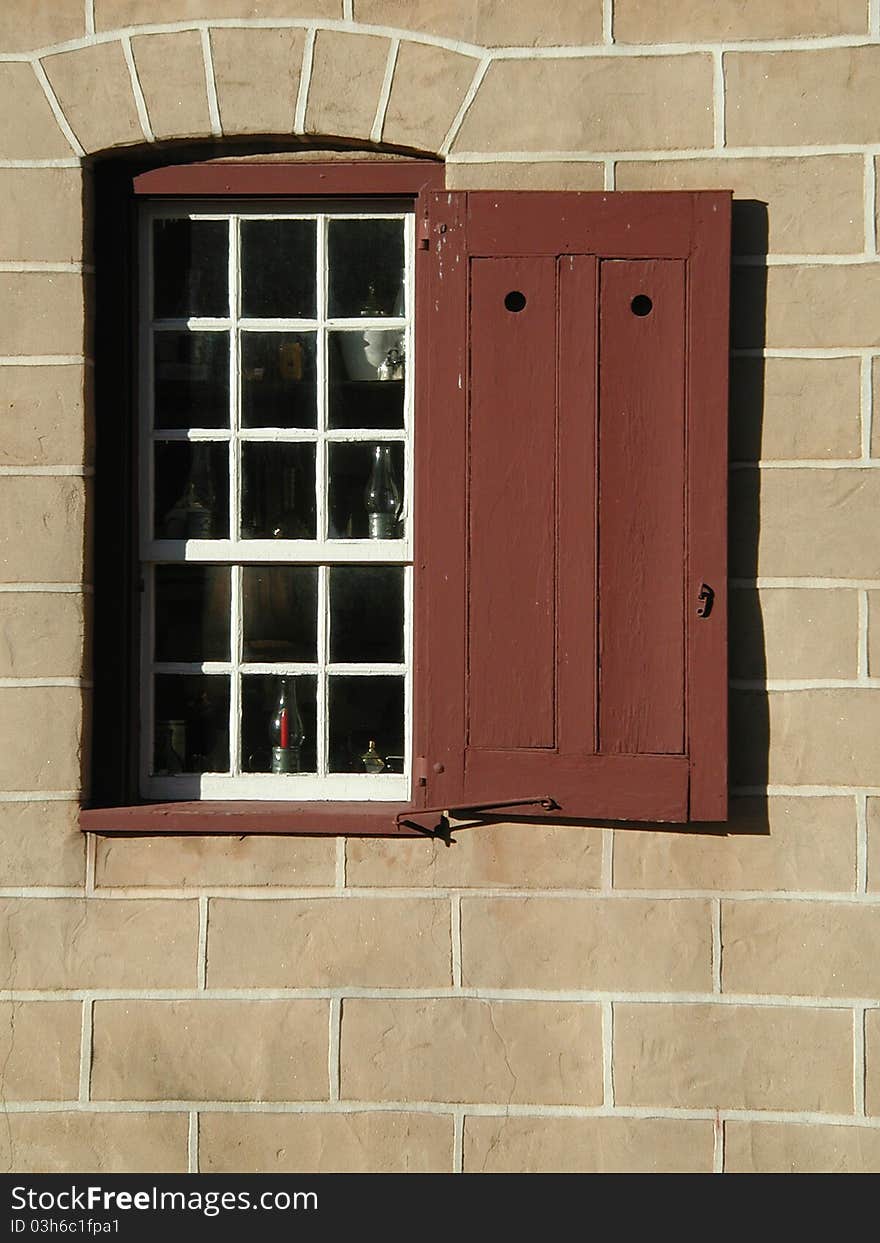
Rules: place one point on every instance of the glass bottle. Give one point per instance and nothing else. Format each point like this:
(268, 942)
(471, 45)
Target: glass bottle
(192, 515)
(286, 730)
(371, 759)
(382, 495)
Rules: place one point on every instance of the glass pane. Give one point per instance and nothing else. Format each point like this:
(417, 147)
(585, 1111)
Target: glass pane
(366, 490)
(278, 384)
(278, 491)
(366, 378)
(278, 263)
(191, 379)
(365, 711)
(366, 614)
(270, 740)
(366, 268)
(280, 607)
(191, 490)
(190, 268)
(192, 612)
(192, 724)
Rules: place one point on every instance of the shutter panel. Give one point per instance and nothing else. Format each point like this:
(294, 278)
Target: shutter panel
(566, 436)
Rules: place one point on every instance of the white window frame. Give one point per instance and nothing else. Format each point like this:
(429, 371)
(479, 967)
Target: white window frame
(322, 551)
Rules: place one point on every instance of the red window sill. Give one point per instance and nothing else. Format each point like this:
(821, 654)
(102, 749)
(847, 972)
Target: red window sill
(293, 819)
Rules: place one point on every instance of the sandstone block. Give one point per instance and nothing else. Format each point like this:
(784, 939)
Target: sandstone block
(822, 949)
(42, 634)
(508, 1052)
(526, 856)
(41, 729)
(872, 1062)
(642, 21)
(347, 75)
(93, 87)
(43, 416)
(40, 844)
(42, 529)
(873, 844)
(187, 862)
(537, 175)
(781, 632)
(596, 104)
(95, 1143)
(733, 1057)
(429, 86)
(814, 204)
(257, 73)
(492, 23)
(798, 98)
(565, 943)
(45, 313)
(171, 71)
(355, 1143)
(807, 306)
(328, 942)
(39, 1049)
(111, 14)
(789, 408)
(39, 23)
(49, 943)
(790, 1148)
(210, 1050)
(587, 1146)
(28, 129)
(779, 844)
(41, 215)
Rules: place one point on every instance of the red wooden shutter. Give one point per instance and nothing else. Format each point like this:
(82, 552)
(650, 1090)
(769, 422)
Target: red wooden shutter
(572, 481)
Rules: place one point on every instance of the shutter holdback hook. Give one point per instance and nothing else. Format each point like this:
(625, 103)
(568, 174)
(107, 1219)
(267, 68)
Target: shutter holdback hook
(444, 829)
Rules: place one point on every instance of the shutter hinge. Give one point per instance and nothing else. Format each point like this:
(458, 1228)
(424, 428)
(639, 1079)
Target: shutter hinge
(706, 599)
(420, 770)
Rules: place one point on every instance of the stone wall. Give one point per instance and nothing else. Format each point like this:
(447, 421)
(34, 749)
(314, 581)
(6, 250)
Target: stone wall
(578, 998)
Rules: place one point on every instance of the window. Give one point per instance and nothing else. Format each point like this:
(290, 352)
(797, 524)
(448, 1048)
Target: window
(432, 503)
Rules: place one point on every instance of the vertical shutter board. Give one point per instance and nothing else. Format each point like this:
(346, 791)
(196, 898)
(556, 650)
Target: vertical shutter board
(641, 508)
(577, 552)
(708, 336)
(512, 504)
(441, 503)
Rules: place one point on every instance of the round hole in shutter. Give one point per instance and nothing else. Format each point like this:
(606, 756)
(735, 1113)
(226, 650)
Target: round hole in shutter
(514, 301)
(641, 305)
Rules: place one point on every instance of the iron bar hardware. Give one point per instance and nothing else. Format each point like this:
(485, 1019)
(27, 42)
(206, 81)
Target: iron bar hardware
(707, 599)
(443, 830)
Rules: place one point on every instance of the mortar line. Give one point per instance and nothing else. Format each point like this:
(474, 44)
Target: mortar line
(469, 97)
(855, 351)
(340, 864)
(89, 16)
(511, 52)
(202, 951)
(458, 1140)
(32, 683)
(192, 1143)
(718, 1138)
(806, 464)
(866, 413)
(806, 582)
(85, 1051)
(782, 685)
(870, 205)
(91, 864)
(69, 589)
(15, 265)
(385, 92)
(720, 122)
(49, 472)
(442, 1108)
(305, 81)
(455, 916)
(607, 883)
(863, 667)
(859, 1063)
(862, 844)
(608, 22)
(44, 360)
(72, 162)
(653, 155)
(608, 1054)
(874, 18)
(140, 102)
(609, 170)
(716, 945)
(347, 13)
(211, 84)
(334, 1047)
(58, 112)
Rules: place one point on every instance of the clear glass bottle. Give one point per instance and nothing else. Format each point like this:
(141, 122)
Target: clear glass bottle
(286, 730)
(192, 515)
(382, 495)
(371, 759)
